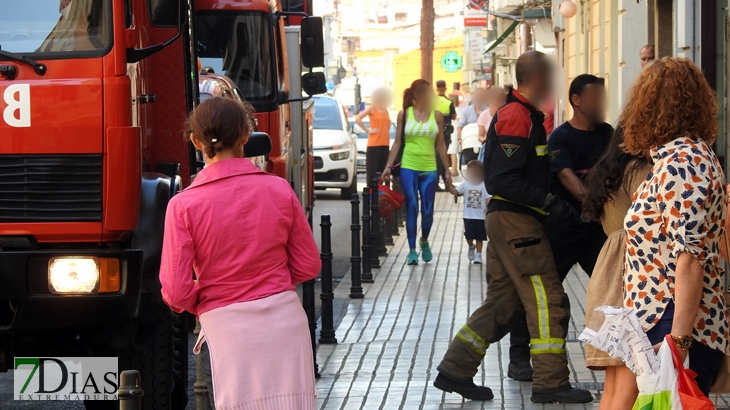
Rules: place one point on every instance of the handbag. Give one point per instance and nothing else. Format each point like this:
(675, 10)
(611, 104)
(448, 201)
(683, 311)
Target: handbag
(721, 384)
(389, 201)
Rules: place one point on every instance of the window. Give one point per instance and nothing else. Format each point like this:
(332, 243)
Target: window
(238, 45)
(55, 26)
(327, 114)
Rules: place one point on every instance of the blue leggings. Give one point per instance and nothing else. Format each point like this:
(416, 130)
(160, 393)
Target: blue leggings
(415, 182)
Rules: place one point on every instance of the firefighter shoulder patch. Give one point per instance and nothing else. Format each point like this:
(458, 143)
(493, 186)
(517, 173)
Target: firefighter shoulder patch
(509, 149)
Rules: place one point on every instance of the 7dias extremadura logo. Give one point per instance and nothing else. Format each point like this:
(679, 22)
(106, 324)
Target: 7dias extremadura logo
(66, 378)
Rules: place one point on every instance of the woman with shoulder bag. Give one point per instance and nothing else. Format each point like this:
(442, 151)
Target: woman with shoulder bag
(420, 131)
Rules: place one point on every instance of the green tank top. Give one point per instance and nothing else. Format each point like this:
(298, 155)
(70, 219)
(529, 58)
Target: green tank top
(419, 153)
(443, 104)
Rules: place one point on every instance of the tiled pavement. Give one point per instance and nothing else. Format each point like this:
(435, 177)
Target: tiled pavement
(391, 341)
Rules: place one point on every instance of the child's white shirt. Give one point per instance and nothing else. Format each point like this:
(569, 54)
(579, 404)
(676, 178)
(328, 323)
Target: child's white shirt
(475, 199)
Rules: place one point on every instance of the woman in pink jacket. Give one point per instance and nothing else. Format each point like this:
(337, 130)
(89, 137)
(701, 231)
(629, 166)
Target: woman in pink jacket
(244, 234)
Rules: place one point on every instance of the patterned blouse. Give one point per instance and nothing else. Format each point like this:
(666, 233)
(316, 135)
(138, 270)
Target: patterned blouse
(680, 207)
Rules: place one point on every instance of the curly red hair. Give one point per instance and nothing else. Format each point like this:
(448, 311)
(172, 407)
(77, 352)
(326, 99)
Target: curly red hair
(670, 99)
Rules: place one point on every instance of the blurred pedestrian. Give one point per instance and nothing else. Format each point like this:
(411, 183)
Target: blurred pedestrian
(420, 131)
(470, 115)
(448, 110)
(574, 148)
(673, 280)
(521, 270)
(496, 98)
(244, 234)
(610, 186)
(476, 199)
(378, 131)
(646, 54)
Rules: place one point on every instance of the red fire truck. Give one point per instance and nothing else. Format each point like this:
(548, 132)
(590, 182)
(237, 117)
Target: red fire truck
(93, 96)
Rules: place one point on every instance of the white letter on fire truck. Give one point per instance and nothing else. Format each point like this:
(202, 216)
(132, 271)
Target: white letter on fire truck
(21, 105)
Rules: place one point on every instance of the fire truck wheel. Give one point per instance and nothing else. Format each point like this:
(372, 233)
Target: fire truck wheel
(160, 355)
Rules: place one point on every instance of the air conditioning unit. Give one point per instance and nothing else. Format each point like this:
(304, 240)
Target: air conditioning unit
(507, 6)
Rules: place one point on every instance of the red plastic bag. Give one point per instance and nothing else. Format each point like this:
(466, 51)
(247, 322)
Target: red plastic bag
(389, 201)
(690, 394)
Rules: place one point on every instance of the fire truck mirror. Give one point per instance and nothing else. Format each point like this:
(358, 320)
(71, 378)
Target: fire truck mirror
(314, 83)
(312, 48)
(164, 13)
(258, 144)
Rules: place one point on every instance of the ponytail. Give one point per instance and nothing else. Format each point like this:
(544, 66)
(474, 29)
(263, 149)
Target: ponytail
(409, 94)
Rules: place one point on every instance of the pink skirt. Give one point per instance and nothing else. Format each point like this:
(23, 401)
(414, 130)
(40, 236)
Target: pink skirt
(261, 354)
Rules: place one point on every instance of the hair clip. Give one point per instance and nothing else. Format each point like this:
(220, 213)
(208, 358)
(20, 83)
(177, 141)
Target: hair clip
(214, 140)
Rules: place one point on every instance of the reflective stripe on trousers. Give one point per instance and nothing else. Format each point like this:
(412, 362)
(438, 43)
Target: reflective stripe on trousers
(471, 339)
(545, 344)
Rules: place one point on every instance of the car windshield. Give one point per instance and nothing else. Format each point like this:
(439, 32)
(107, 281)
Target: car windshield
(327, 114)
(54, 26)
(238, 45)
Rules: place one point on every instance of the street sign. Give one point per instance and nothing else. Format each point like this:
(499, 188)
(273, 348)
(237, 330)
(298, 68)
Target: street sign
(451, 62)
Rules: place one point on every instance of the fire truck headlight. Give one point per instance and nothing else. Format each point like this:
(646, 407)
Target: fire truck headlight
(73, 274)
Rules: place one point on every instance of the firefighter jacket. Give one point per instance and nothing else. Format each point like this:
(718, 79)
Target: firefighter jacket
(516, 165)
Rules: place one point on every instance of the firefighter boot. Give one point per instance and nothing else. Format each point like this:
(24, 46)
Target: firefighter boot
(468, 390)
(519, 368)
(570, 395)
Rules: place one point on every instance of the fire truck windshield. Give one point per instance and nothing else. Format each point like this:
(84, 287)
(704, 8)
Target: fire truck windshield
(238, 45)
(55, 28)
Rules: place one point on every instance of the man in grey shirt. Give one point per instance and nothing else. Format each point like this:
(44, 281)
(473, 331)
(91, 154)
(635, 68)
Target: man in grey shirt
(470, 115)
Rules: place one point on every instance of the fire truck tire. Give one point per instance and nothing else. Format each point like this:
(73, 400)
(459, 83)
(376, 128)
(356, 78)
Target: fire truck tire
(346, 193)
(161, 358)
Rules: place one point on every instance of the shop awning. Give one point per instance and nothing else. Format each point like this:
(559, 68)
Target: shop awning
(494, 43)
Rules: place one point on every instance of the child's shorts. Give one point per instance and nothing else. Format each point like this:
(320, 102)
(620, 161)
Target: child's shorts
(475, 229)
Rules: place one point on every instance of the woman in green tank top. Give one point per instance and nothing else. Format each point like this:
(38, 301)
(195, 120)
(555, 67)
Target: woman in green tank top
(421, 129)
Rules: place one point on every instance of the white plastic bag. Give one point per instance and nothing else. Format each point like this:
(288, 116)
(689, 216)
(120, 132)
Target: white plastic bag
(659, 391)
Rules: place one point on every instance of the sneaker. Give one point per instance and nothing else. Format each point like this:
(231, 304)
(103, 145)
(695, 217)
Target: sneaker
(426, 252)
(478, 259)
(468, 391)
(520, 371)
(570, 395)
(470, 255)
(413, 257)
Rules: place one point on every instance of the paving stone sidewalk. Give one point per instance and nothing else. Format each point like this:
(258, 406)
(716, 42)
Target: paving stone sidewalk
(391, 341)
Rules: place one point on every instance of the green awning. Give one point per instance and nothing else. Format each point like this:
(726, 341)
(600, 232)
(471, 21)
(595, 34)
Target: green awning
(494, 43)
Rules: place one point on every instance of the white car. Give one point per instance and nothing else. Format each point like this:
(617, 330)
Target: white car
(335, 150)
(362, 142)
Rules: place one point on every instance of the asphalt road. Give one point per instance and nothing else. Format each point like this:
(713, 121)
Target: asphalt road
(327, 202)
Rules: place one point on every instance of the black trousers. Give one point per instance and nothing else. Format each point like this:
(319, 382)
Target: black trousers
(571, 244)
(376, 158)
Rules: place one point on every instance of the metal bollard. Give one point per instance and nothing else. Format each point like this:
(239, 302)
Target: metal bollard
(374, 223)
(367, 274)
(130, 393)
(355, 258)
(402, 211)
(327, 334)
(382, 250)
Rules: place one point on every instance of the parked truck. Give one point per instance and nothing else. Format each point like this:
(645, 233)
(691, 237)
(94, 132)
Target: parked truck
(93, 96)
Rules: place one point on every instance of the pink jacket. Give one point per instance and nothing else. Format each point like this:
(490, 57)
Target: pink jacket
(244, 234)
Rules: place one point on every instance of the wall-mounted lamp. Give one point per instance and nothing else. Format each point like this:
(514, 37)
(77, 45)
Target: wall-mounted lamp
(567, 9)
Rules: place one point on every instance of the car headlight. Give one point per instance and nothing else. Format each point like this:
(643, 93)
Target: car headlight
(73, 274)
(343, 145)
(339, 156)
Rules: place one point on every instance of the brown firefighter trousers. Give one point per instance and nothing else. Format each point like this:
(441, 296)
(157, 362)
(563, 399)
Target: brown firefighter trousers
(520, 272)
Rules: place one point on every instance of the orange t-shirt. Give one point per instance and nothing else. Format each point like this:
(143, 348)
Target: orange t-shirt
(381, 121)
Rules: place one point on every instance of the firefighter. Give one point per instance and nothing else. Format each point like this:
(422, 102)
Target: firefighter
(520, 266)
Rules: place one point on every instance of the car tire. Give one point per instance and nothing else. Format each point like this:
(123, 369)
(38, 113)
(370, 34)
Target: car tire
(346, 193)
